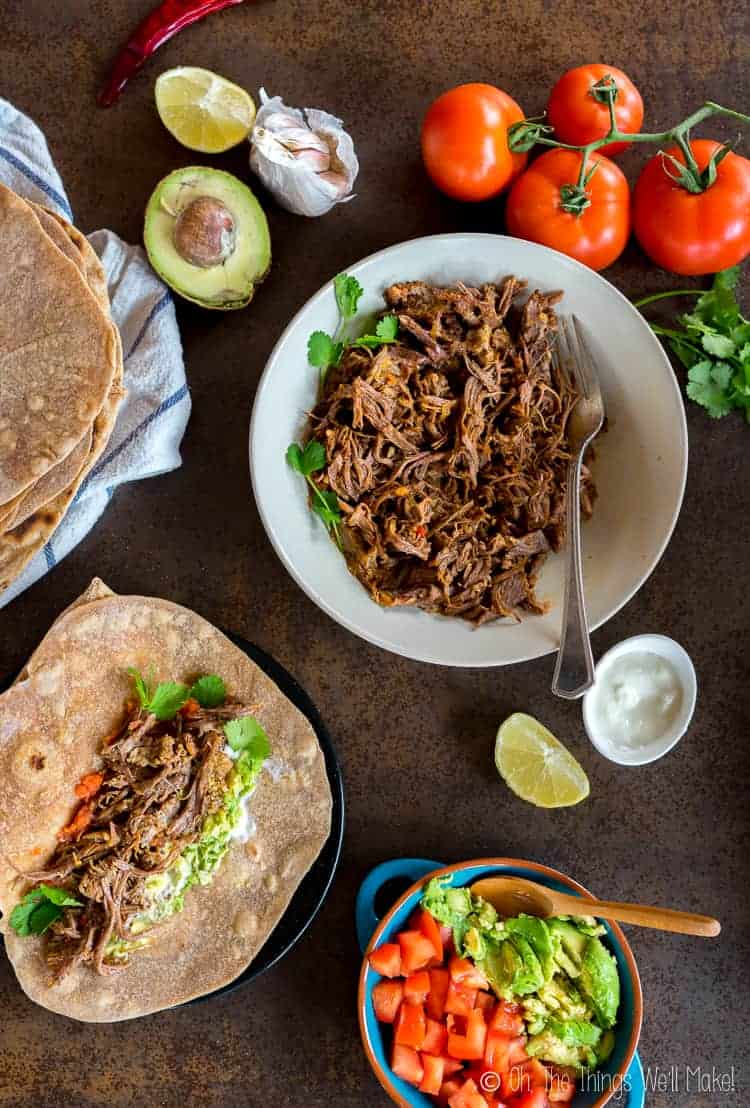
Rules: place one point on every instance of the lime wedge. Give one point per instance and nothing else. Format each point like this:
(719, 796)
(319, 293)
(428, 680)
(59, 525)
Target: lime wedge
(202, 110)
(536, 765)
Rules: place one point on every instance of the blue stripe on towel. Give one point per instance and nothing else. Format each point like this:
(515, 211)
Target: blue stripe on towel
(49, 554)
(158, 307)
(50, 192)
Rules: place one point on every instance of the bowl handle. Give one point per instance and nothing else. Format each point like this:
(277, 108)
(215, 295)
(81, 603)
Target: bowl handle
(408, 870)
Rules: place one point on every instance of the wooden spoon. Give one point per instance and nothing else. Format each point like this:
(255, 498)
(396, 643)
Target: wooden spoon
(513, 895)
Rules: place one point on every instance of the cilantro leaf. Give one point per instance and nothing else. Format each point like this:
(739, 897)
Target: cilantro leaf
(321, 350)
(168, 698)
(385, 332)
(246, 736)
(39, 908)
(326, 505)
(727, 278)
(707, 391)
(721, 346)
(309, 460)
(209, 690)
(348, 294)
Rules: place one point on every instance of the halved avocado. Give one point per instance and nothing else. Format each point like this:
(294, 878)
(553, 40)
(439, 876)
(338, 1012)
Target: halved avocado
(207, 236)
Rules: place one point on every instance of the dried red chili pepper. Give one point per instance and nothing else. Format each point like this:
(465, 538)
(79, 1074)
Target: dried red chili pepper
(164, 21)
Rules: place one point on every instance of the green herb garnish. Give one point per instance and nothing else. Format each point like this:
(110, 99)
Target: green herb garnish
(323, 350)
(324, 502)
(39, 908)
(209, 690)
(713, 344)
(246, 736)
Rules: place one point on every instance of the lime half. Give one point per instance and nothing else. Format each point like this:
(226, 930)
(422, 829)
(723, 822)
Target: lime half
(202, 110)
(536, 765)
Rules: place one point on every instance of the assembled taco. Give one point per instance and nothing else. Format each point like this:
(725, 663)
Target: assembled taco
(160, 801)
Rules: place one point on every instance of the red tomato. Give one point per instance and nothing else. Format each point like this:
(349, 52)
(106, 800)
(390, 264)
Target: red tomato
(405, 1063)
(433, 1074)
(436, 1038)
(486, 1002)
(561, 1088)
(417, 986)
(465, 142)
(598, 234)
(507, 1017)
(464, 972)
(580, 114)
(386, 959)
(468, 1096)
(416, 951)
(439, 982)
(460, 1000)
(469, 1047)
(411, 1026)
(534, 1098)
(502, 1051)
(693, 233)
(426, 923)
(448, 1089)
(386, 1000)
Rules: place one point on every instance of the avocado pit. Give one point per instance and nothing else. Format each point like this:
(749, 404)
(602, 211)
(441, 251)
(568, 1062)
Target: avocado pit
(205, 232)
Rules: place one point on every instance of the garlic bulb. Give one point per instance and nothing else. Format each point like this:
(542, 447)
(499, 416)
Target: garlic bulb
(305, 158)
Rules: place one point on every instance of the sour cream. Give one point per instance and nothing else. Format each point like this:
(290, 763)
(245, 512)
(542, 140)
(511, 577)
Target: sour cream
(641, 701)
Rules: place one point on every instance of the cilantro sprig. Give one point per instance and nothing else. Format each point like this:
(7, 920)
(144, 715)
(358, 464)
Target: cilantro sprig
(324, 502)
(713, 343)
(39, 908)
(165, 699)
(324, 350)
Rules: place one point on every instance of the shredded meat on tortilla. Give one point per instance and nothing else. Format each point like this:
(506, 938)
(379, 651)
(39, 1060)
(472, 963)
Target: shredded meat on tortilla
(158, 783)
(448, 451)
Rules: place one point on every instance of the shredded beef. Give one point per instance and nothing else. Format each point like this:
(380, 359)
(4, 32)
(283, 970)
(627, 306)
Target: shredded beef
(448, 451)
(159, 783)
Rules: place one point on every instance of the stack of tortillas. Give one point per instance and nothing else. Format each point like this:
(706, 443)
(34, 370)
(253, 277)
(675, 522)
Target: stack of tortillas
(60, 374)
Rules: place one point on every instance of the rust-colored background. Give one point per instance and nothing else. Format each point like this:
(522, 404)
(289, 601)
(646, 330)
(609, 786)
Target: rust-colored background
(415, 741)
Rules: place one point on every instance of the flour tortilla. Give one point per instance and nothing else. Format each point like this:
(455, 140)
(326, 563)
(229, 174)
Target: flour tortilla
(70, 695)
(58, 351)
(37, 512)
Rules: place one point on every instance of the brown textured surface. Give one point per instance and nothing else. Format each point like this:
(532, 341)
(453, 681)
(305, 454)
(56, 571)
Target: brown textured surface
(415, 742)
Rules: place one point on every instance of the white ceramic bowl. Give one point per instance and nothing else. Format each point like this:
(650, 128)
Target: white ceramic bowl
(640, 468)
(671, 652)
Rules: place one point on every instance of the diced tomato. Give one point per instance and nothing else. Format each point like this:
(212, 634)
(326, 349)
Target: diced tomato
(507, 1017)
(411, 1026)
(448, 1089)
(446, 936)
(386, 959)
(452, 1065)
(433, 1074)
(406, 1063)
(520, 1079)
(503, 1051)
(436, 1037)
(417, 987)
(416, 951)
(535, 1098)
(468, 1096)
(424, 921)
(386, 1000)
(89, 786)
(561, 1085)
(470, 1045)
(536, 1072)
(464, 972)
(486, 1002)
(460, 1000)
(439, 982)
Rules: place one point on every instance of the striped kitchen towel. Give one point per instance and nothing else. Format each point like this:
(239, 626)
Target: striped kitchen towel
(152, 418)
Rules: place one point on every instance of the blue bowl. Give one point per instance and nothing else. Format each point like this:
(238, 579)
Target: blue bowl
(620, 1081)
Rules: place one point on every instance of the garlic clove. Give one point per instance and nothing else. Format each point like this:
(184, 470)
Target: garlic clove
(313, 159)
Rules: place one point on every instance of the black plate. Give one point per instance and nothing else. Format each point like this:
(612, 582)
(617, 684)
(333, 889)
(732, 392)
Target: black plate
(312, 890)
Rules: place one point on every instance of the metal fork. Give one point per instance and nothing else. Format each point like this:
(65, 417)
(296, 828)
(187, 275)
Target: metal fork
(574, 671)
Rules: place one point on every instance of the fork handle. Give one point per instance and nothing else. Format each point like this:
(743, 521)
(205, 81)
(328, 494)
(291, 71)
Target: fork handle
(574, 671)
